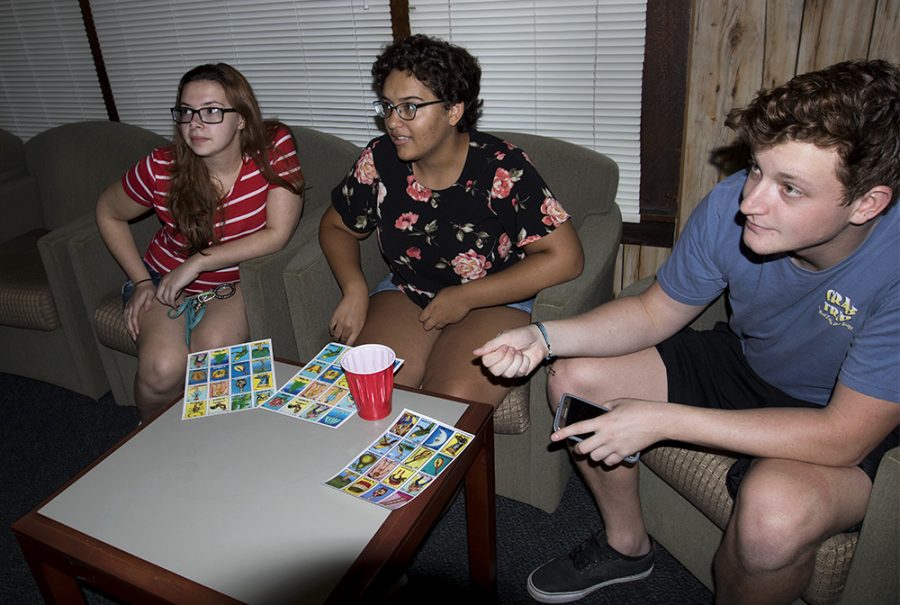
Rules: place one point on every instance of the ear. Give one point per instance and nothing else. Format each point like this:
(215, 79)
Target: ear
(871, 204)
(456, 112)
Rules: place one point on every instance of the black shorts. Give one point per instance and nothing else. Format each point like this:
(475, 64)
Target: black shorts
(708, 369)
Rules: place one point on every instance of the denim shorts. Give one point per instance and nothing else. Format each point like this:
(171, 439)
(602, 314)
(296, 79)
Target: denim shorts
(386, 285)
(128, 287)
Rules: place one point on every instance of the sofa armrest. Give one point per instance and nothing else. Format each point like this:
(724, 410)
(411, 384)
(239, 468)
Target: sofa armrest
(312, 292)
(873, 576)
(97, 272)
(600, 234)
(20, 207)
(263, 286)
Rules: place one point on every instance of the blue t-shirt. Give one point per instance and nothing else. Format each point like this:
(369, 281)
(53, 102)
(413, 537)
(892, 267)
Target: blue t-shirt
(800, 330)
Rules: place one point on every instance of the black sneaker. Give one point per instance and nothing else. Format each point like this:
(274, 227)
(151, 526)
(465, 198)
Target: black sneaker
(591, 566)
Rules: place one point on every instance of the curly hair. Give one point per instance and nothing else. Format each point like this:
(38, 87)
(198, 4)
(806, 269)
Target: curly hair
(193, 198)
(852, 107)
(449, 71)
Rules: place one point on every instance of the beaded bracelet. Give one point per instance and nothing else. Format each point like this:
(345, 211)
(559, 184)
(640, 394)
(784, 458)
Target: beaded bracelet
(135, 284)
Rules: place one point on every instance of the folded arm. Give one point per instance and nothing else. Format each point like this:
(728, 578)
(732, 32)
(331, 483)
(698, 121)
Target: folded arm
(283, 210)
(550, 260)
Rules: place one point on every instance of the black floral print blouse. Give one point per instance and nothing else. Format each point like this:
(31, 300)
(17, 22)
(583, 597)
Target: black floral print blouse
(433, 239)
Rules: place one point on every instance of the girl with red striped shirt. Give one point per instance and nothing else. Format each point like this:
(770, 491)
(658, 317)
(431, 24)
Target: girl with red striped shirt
(227, 190)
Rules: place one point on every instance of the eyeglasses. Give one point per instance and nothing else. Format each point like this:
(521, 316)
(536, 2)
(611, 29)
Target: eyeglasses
(406, 111)
(207, 115)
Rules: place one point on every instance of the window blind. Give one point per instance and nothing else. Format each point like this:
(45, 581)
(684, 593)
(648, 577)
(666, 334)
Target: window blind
(47, 75)
(308, 61)
(569, 69)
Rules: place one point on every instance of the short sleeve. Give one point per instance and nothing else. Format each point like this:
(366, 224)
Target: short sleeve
(872, 361)
(139, 182)
(356, 198)
(694, 274)
(284, 160)
(523, 202)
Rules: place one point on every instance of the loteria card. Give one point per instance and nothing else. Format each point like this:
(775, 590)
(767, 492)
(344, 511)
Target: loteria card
(318, 392)
(403, 461)
(229, 379)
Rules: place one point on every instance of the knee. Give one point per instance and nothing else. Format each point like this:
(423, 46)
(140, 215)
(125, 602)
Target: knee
(159, 372)
(773, 527)
(576, 376)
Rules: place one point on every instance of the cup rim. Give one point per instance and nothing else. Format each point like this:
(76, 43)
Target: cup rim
(392, 356)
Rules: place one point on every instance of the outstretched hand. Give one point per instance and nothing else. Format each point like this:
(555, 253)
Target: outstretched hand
(513, 353)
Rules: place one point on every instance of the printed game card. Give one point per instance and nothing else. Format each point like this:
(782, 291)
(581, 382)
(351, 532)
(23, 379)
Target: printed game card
(319, 391)
(230, 379)
(403, 461)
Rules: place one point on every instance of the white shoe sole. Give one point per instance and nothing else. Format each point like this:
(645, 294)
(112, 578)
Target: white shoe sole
(567, 597)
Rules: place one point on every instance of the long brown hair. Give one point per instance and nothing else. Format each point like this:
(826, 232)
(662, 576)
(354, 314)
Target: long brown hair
(193, 198)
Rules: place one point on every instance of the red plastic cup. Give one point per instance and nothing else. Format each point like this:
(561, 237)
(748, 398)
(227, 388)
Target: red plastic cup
(370, 375)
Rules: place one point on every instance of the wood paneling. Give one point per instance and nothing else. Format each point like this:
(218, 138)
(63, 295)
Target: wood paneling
(885, 42)
(737, 48)
(834, 31)
(784, 18)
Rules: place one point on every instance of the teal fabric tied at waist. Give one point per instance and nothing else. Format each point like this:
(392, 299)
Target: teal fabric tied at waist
(194, 307)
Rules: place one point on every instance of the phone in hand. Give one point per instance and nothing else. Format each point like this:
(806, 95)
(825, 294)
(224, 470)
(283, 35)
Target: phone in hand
(574, 409)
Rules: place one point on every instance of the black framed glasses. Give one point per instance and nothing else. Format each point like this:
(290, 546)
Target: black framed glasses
(207, 115)
(406, 111)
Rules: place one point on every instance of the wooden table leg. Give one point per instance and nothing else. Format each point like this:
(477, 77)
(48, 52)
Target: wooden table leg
(481, 518)
(57, 587)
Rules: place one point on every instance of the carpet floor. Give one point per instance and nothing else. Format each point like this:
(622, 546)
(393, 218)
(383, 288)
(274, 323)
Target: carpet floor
(48, 434)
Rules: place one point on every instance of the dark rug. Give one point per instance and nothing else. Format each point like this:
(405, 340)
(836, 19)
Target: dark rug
(48, 434)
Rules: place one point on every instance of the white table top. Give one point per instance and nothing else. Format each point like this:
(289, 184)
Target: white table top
(236, 502)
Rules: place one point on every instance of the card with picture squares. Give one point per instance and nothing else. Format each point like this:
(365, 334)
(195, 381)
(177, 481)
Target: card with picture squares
(318, 392)
(403, 461)
(228, 379)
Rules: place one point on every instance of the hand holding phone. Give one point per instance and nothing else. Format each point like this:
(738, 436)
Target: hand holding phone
(574, 409)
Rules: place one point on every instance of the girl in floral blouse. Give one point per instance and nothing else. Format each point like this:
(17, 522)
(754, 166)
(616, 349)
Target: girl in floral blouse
(469, 229)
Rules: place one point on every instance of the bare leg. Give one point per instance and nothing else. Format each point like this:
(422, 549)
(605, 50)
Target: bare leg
(439, 360)
(615, 489)
(393, 320)
(783, 512)
(162, 352)
(453, 370)
(225, 323)
(162, 355)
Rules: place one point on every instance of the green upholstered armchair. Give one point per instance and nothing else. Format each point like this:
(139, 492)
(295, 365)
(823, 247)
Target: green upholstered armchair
(686, 506)
(48, 189)
(323, 159)
(585, 182)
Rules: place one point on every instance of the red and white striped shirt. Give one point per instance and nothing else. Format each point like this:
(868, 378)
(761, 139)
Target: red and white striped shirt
(242, 211)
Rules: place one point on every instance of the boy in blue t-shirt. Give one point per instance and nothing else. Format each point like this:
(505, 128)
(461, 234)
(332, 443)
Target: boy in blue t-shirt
(802, 383)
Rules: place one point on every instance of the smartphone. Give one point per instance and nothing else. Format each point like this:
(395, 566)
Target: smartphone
(574, 409)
